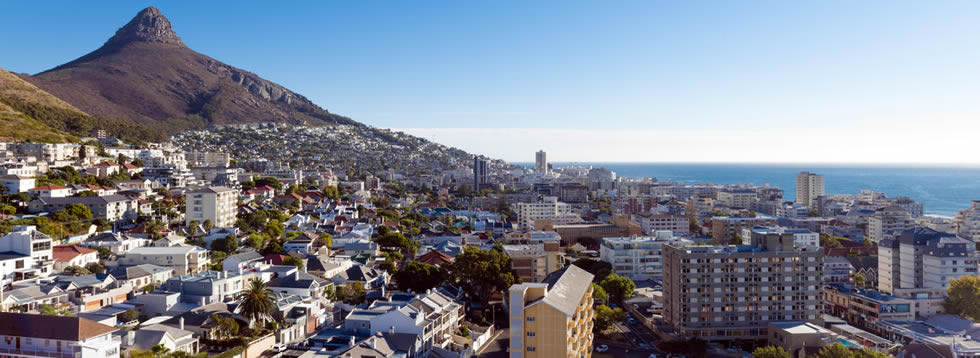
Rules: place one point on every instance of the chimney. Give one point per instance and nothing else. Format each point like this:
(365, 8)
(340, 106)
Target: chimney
(391, 329)
(181, 323)
(351, 341)
(130, 337)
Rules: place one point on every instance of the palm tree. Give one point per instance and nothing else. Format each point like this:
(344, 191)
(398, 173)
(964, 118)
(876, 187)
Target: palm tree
(257, 301)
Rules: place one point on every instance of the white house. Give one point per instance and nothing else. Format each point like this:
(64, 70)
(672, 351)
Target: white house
(33, 335)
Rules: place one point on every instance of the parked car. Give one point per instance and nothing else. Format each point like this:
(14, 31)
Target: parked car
(279, 347)
(602, 348)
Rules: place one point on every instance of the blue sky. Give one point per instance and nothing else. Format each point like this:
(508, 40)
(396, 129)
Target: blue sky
(590, 80)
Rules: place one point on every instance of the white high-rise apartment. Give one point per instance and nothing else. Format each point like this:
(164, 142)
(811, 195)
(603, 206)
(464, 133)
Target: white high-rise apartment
(549, 208)
(217, 204)
(967, 221)
(541, 162)
(809, 187)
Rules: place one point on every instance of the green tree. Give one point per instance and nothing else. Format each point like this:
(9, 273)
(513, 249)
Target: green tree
(256, 241)
(963, 297)
(869, 353)
(481, 273)
(618, 287)
(76, 270)
(257, 301)
(275, 229)
(192, 228)
(229, 244)
(49, 310)
(418, 277)
(835, 350)
(103, 253)
(599, 269)
(770, 352)
(325, 240)
(352, 293)
(208, 225)
(599, 293)
(606, 316)
(828, 241)
(129, 315)
(95, 267)
(859, 279)
(160, 350)
(293, 261)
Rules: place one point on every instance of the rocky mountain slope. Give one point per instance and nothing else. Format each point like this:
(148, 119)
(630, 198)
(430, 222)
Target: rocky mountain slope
(147, 75)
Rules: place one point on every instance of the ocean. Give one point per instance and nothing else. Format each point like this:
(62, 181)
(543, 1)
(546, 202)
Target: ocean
(942, 191)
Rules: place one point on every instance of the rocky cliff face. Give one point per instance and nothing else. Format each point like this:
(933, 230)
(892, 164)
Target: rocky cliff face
(146, 74)
(149, 25)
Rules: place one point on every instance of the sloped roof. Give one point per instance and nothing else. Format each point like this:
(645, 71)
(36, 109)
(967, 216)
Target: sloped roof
(65, 253)
(565, 292)
(435, 257)
(40, 326)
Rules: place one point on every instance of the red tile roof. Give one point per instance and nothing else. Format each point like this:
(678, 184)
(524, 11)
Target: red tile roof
(435, 257)
(275, 259)
(65, 253)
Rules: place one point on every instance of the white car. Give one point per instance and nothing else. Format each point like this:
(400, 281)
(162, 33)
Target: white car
(602, 348)
(279, 347)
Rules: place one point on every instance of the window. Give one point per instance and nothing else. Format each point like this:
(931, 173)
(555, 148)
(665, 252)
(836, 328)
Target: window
(530, 349)
(530, 334)
(530, 318)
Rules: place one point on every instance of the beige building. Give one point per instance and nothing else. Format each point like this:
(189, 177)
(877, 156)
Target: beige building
(738, 198)
(888, 223)
(218, 204)
(733, 292)
(809, 187)
(552, 319)
(651, 223)
(535, 261)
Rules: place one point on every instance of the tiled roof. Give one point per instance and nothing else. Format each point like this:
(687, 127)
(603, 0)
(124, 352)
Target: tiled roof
(50, 187)
(65, 253)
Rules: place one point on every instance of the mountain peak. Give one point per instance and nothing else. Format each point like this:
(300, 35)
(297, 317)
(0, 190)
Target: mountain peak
(149, 25)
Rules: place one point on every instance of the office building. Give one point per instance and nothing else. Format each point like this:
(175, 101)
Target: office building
(552, 318)
(218, 204)
(809, 187)
(923, 258)
(638, 258)
(541, 162)
(479, 173)
(733, 292)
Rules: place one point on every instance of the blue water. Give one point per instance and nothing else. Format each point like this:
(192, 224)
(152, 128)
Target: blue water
(942, 191)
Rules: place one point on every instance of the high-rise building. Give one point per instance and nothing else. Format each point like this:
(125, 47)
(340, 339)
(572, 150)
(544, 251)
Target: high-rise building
(923, 258)
(218, 204)
(733, 292)
(552, 318)
(541, 162)
(639, 258)
(888, 223)
(809, 187)
(479, 173)
(549, 208)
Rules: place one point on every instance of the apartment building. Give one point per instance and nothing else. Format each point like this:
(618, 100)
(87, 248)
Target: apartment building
(923, 258)
(639, 258)
(207, 159)
(866, 308)
(25, 253)
(209, 287)
(218, 204)
(967, 221)
(109, 207)
(34, 335)
(183, 259)
(535, 261)
(802, 238)
(738, 198)
(888, 223)
(809, 187)
(552, 318)
(726, 228)
(549, 208)
(118, 243)
(651, 223)
(541, 162)
(732, 292)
